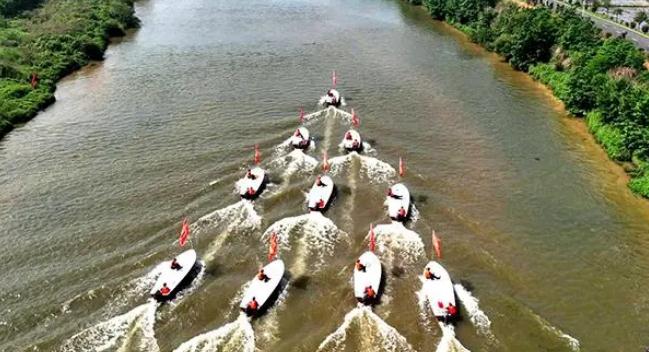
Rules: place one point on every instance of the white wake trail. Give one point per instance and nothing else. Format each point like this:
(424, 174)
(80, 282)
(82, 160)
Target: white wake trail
(319, 235)
(134, 328)
(240, 215)
(449, 343)
(235, 336)
(377, 171)
(570, 341)
(397, 245)
(373, 334)
(295, 162)
(478, 318)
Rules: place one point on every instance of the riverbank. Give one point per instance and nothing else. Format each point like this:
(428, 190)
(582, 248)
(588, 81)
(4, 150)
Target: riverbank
(600, 79)
(42, 41)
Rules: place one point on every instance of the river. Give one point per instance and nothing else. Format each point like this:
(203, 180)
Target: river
(535, 222)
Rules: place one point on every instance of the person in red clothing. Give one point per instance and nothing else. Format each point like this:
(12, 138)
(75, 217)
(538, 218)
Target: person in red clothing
(451, 312)
(318, 181)
(321, 204)
(451, 309)
(250, 175)
(369, 293)
(261, 276)
(348, 136)
(298, 133)
(429, 275)
(402, 212)
(359, 266)
(252, 306)
(164, 290)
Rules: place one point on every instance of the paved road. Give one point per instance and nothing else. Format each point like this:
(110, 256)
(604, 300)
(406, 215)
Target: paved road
(615, 29)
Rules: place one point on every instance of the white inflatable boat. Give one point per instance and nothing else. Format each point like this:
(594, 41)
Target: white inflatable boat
(398, 200)
(332, 98)
(251, 185)
(167, 284)
(439, 292)
(352, 141)
(300, 138)
(261, 290)
(321, 194)
(369, 277)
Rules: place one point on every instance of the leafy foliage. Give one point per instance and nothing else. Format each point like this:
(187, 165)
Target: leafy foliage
(601, 78)
(50, 42)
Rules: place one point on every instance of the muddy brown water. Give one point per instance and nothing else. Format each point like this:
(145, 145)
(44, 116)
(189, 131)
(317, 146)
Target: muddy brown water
(535, 222)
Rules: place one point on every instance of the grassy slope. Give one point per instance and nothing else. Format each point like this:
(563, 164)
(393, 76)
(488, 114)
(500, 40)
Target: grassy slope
(51, 41)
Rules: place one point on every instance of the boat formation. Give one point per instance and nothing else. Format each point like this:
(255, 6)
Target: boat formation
(368, 274)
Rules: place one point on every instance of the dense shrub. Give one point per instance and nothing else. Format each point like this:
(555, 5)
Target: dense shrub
(51, 41)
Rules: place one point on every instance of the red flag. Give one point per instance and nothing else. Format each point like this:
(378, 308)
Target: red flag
(34, 80)
(402, 168)
(272, 250)
(355, 120)
(301, 115)
(372, 238)
(325, 162)
(184, 233)
(437, 245)
(257, 155)
(334, 79)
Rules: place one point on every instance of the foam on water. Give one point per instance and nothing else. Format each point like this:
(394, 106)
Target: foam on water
(478, 318)
(240, 216)
(268, 325)
(134, 328)
(295, 162)
(373, 334)
(235, 336)
(571, 342)
(449, 343)
(318, 236)
(397, 245)
(376, 170)
(414, 214)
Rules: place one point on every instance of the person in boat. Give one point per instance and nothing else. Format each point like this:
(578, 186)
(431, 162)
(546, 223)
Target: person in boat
(429, 275)
(164, 290)
(392, 194)
(331, 96)
(319, 183)
(451, 311)
(348, 136)
(261, 276)
(359, 266)
(402, 212)
(175, 265)
(321, 204)
(252, 306)
(251, 191)
(369, 293)
(298, 133)
(250, 175)
(355, 144)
